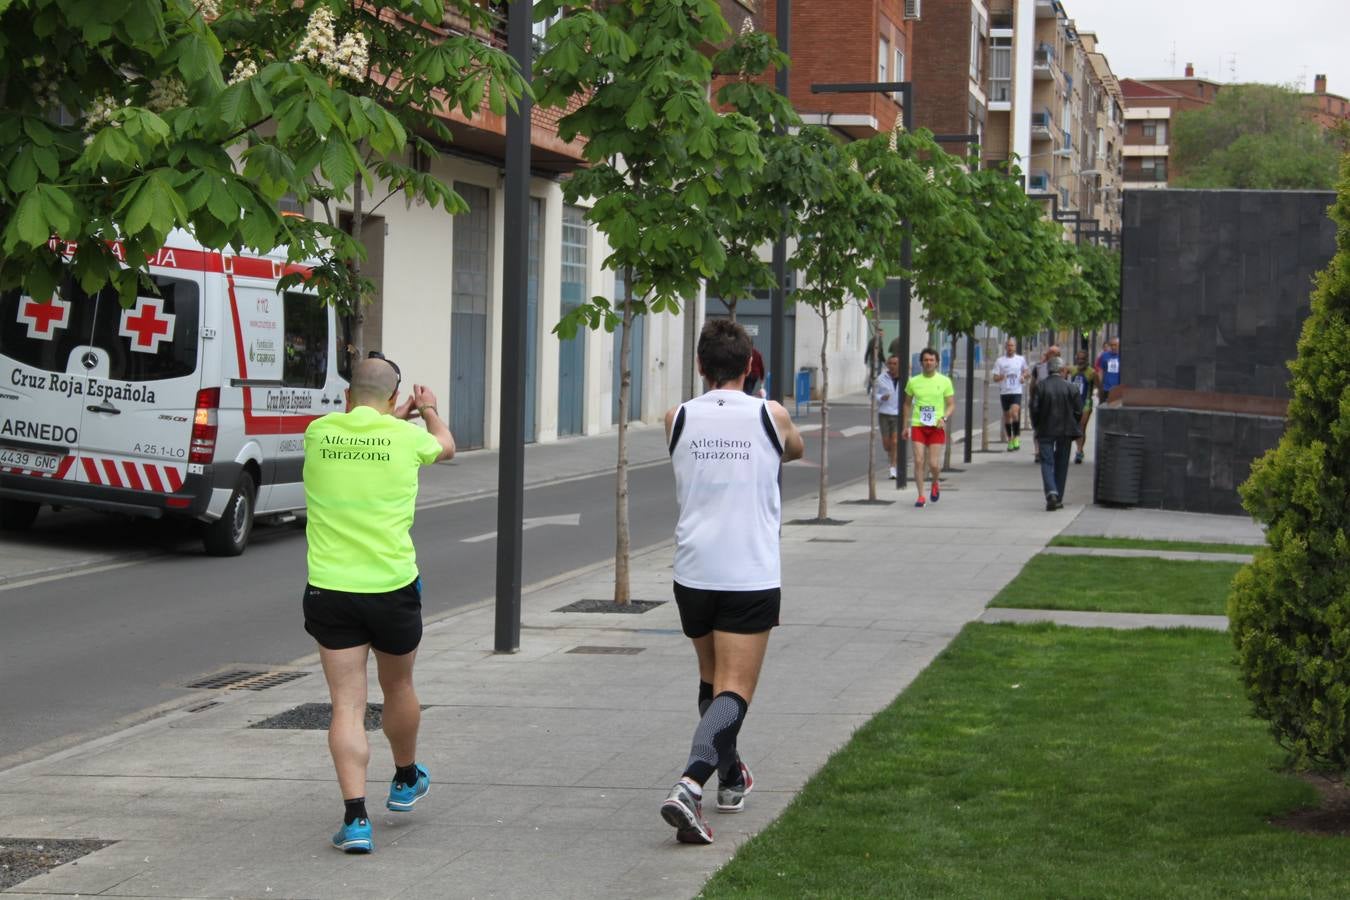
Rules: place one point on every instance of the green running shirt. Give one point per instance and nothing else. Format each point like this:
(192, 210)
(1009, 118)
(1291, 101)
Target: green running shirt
(360, 493)
(930, 397)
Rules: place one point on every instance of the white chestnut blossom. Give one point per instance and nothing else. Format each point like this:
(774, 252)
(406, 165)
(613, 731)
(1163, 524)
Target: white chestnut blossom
(166, 93)
(320, 46)
(210, 9)
(101, 112)
(319, 41)
(243, 71)
(352, 56)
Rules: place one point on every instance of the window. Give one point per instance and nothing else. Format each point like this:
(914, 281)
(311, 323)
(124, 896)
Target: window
(899, 64)
(100, 321)
(1162, 134)
(541, 28)
(976, 57)
(1154, 168)
(883, 60)
(1000, 70)
(305, 319)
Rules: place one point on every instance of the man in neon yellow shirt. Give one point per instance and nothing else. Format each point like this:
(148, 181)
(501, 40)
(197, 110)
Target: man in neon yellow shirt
(363, 590)
(929, 402)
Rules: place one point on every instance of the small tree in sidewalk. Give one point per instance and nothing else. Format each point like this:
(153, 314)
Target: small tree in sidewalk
(666, 169)
(842, 252)
(1289, 610)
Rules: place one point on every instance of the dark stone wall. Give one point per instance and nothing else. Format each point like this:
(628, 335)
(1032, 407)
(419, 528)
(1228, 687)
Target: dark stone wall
(1193, 461)
(1216, 284)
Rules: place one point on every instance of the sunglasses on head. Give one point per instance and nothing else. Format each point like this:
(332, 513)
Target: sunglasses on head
(398, 374)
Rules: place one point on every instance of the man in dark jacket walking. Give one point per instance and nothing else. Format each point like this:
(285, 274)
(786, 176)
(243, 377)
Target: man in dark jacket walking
(1056, 411)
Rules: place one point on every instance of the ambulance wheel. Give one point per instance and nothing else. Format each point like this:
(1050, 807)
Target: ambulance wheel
(17, 515)
(228, 535)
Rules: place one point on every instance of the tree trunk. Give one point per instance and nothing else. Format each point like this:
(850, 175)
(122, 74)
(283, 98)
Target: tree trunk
(984, 402)
(823, 508)
(947, 451)
(357, 313)
(622, 588)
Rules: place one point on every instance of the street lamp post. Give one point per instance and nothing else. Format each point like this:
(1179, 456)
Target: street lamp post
(511, 468)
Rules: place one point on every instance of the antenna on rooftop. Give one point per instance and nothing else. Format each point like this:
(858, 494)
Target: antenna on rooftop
(1232, 68)
(1172, 60)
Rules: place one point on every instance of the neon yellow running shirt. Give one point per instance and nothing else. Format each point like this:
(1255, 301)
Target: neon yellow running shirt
(360, 493)
(930, 395)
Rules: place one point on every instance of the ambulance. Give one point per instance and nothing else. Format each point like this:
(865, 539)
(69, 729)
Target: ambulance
(190, 403)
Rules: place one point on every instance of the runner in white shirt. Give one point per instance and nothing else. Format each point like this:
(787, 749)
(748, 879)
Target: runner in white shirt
(887, 387)
(726, 449)
(1010, 371)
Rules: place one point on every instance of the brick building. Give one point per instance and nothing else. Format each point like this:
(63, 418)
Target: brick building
(948, 68)
(1327, 110)
(1150, 105)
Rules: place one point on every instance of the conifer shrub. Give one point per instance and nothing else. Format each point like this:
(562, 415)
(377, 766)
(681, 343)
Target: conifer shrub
(1289, 610)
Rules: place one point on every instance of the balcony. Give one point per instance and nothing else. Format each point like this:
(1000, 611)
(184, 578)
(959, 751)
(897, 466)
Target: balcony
(1041, 126)
(1038, 183)
(1000, 90)
(1043, 63)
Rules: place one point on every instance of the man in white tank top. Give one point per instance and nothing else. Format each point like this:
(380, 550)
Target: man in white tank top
(726, 449)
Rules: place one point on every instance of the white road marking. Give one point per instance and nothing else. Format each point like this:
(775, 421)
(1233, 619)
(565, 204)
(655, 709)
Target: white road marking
(535, 522)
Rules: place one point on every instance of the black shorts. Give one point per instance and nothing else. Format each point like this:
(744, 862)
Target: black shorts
(390, 622)
(1010, 400)
(740, 612)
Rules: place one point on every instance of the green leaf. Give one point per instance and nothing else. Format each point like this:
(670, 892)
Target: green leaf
(338, 164)
(23, 172)
(29, 225)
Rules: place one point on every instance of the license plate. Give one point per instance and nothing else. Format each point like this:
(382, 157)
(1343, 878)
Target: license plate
(32, 460)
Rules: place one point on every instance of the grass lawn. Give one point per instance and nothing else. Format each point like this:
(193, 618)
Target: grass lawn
(1120, 584)
(1036, 761)
(1072, 540)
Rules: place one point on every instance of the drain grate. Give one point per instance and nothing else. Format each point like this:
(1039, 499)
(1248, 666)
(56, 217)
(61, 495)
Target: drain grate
(832, 541)
(607, 651)
(202, 707)
(245, 680)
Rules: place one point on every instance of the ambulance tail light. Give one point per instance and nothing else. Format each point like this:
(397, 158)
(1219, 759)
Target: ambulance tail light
(204, 426)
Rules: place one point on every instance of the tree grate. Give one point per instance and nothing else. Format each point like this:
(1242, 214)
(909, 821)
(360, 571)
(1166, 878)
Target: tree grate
(632, 607)
(25, 858)
(245, 680)
(318, 716)
(598, 650)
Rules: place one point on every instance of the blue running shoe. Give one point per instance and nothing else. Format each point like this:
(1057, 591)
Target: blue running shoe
(354, 838)
(403, 796)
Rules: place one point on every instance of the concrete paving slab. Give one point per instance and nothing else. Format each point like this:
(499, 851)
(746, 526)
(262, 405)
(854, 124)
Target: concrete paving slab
(1121, 621)
(1126, 552)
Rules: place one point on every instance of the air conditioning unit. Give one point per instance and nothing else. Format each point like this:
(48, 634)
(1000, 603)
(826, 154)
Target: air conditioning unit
(912, 9)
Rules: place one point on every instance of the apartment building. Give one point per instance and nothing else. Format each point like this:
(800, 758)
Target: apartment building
(949, 69)
(1055, 108)
(1150, 105)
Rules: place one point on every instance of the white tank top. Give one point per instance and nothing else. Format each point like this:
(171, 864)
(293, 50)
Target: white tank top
(726, 452)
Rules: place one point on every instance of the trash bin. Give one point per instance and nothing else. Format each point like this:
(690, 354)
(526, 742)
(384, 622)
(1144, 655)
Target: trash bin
(1120, 468)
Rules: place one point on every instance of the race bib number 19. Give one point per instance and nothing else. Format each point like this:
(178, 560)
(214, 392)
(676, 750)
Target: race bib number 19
(928, 415)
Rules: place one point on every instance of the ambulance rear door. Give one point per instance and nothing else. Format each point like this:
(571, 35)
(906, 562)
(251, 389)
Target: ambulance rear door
(141, 371)
(41, 396)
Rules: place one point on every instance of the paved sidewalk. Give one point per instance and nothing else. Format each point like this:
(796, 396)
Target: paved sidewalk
(548, 765)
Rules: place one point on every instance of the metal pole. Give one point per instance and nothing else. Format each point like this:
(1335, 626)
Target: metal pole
(970, 392)
(511, 469)
(778, 373)
(906, 260)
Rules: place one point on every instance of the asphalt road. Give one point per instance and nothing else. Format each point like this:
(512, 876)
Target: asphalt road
(89, 652)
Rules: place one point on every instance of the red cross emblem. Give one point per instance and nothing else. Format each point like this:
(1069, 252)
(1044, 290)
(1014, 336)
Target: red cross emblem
(44, 319)
(147, 324)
